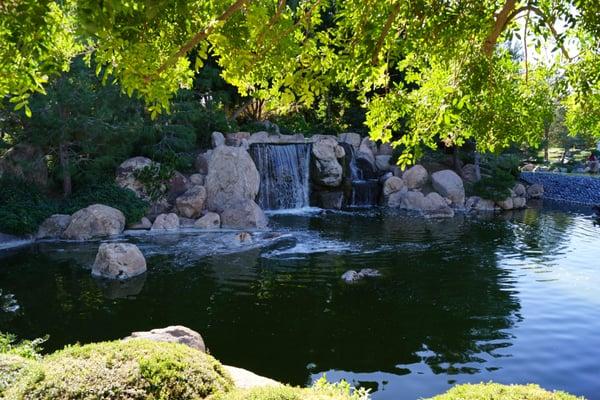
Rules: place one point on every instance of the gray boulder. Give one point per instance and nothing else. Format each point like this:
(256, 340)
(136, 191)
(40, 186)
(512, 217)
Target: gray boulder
(392, 185)
(197, 179)
(53, 226)
(328, 171)
(166, 222)
(232, 178)
(191, 203)
(210, 220)
(217, 139)
(519, 202)
(173, 334)
(382, 162)
(94, 221)
(119, 261)
(243, 215)
(415, 177)
(432, 205)
(448, 184)
(385, 149)
(202, 161)
(535, 191)
(351, 138)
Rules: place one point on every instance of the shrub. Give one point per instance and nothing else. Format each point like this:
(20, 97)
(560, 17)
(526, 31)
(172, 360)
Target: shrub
(25, 348)
(498, 175)
(133, 369)
(495, 391)
(23, 207)
(322, 390)
(108, 194)
(12, 368)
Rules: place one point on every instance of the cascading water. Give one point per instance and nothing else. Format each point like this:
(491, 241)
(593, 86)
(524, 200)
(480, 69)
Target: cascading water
(284, 175)
(365, 192)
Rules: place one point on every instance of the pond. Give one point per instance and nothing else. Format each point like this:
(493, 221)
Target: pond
(512, 298)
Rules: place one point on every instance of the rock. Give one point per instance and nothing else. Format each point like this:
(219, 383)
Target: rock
(519, 202)
(217, 139)
(244, 379)
(476, 203)
(201, 162)
(366, 151)
(144, 224)
(448, 184)
(126, 175)
(119, 261)
(331, 200)
(161, 206)
(53, 226)
(166, 222)
(267, 137)
(327, 170)
(535, 191)
(173, 334)
(392, 185)
(27, 162)
(432, 205)
(235, 139)
(197, 179)
(385, 149)
(369, 273)
(176, 186)
(415, 177)
(469, 174)
(242, 215)
(382, 162)
(519, 190)
(528, 168)
(351, 276)
(351, 138)
(506, 204)
(232, 178)
(395, 198)
(210, 220)
(436, 206)
(191, 203)
(186, 222)
(243, 238)
(94, 221)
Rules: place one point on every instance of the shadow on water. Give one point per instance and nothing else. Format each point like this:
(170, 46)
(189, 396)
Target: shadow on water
(444, 301)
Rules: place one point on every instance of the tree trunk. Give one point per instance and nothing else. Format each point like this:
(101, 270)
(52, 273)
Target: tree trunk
(477, 166)
(63, 155)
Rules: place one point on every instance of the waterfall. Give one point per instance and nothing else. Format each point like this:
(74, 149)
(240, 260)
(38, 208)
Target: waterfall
(365, 192)
(284, 175)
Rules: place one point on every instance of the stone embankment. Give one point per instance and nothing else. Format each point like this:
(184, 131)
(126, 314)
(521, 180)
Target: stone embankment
(576, 189)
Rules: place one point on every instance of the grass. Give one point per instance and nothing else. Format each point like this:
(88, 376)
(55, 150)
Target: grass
(496, 391)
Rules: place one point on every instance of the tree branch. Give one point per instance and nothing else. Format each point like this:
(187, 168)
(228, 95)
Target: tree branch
(555, 34)
(280, 7)
(198, 37)
(501, 21)
(384, 32)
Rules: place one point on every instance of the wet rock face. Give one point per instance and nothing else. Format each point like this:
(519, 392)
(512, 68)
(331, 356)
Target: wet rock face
(232, 178)
(53, 226)
(119, 261)
(173, 334)
(94, 221)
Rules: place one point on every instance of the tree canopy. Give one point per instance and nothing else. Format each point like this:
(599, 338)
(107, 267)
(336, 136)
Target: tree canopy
(425, 70)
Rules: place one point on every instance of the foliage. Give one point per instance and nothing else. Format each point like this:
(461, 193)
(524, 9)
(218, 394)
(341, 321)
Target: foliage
(132, 369)
(23, 207)
(495, 391)
(12, 368)
(29, 349)
(108, 194)
(322, 390)
(154, 178)
(498, 175)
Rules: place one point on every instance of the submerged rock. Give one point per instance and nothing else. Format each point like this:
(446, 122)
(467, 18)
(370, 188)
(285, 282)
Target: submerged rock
(119, 261)
(94, 221)
(173, 334)
(53, 226)
(353, 276)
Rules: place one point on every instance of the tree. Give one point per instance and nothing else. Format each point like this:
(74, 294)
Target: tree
(459, 79)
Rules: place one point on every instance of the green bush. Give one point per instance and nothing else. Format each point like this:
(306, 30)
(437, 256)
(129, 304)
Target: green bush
(108, 194)
(498, 175)
(322, 390)
(25, 348)
(495, 391)
(133, 369)
(12, 368)
(23, 207)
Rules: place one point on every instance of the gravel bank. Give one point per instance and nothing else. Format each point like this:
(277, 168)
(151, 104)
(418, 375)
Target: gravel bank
(568, 188)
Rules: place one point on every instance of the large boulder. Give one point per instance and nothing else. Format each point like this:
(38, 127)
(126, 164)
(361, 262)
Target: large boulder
(53, 226)
(519, 190)
(535, 191)
(382, 162)
(351, 138)
(126, 175)
(26, 162)
(236, 138)
(191, 203)
(392, 185)
(432, 205)
(519, 202)
(242, 215)
(448, 184)
(119, 261)
(217, 139)
(232, 177)
(210, 220)
(327, 170)
(173, 334)
(166, 222)
(415, 177)
(96, 220)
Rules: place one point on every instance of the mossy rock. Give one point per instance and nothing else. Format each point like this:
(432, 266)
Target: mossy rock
(128, 370)
(320, 391)
(12, 368)
(495, 391)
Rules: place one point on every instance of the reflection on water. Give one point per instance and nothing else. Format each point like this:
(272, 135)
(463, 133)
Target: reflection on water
(511, 298)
